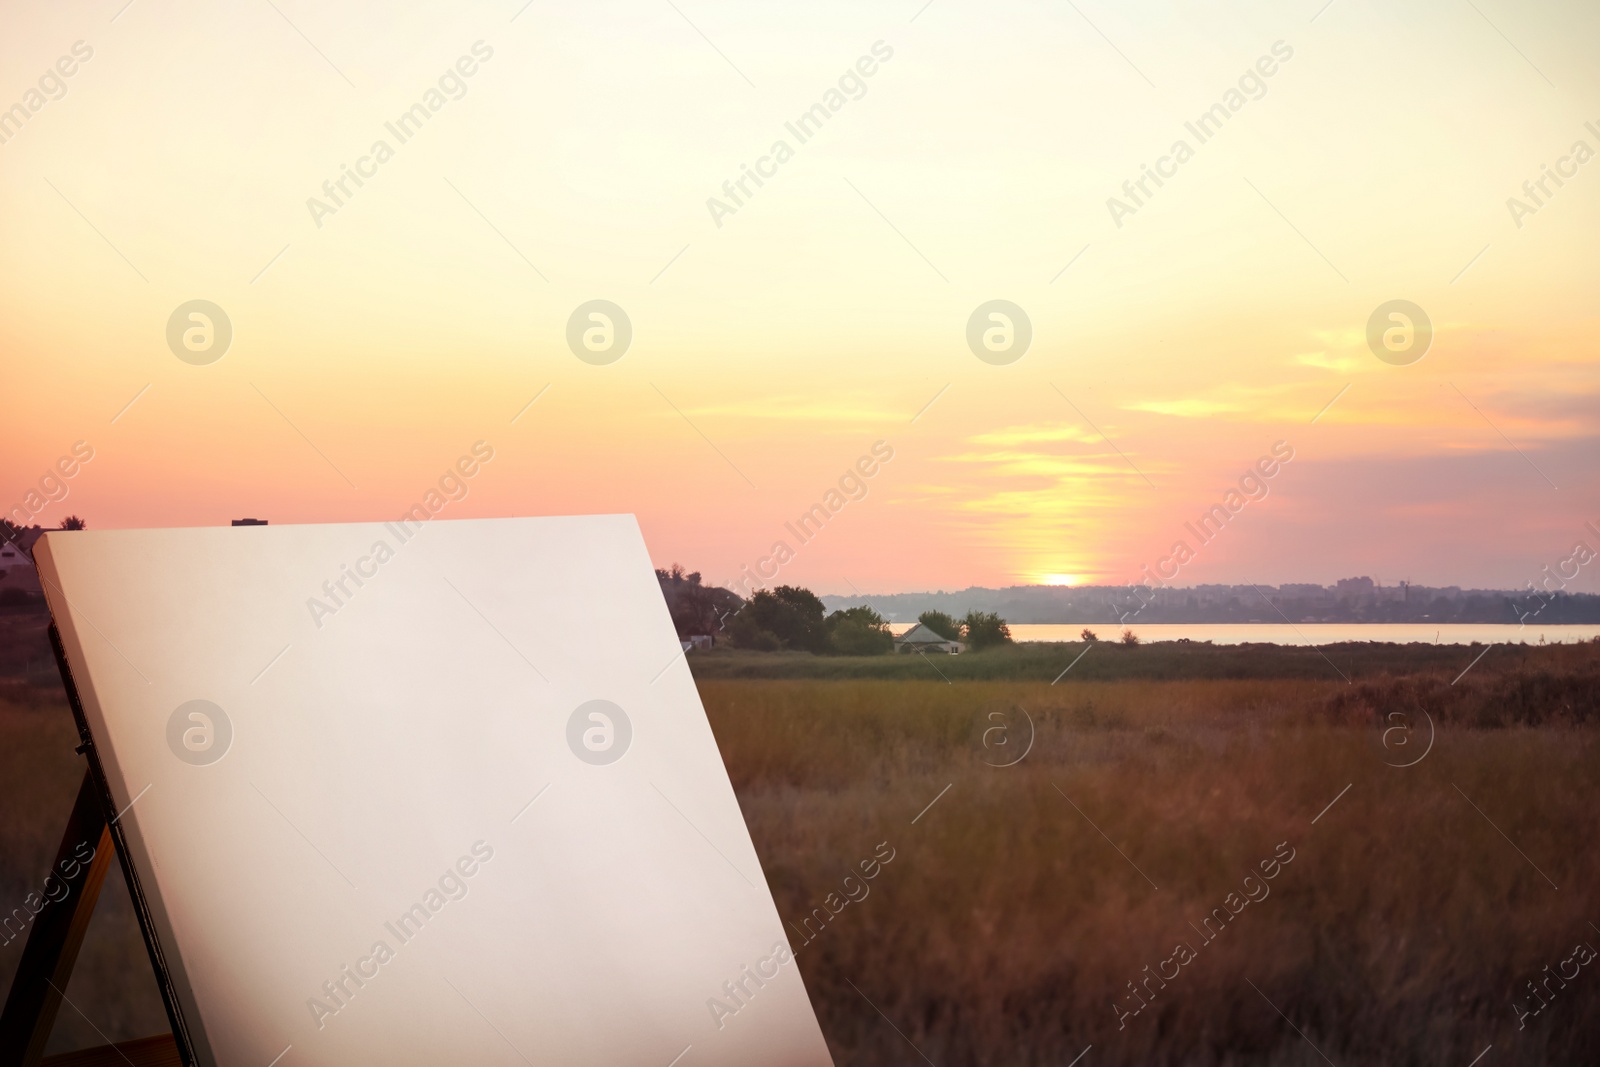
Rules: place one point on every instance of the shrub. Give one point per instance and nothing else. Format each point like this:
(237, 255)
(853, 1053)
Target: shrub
(792, 615)
(945, 626)
(1484, 699)
(744, 632)
(985, 629)
(696, 608)
(859, 632)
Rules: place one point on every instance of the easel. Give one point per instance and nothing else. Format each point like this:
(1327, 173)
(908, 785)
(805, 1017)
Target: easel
(58, 929)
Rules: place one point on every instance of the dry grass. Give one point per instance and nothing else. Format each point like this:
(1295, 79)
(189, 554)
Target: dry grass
(39, 777)
(1007, 923)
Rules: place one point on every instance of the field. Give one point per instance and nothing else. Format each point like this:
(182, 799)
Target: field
(39, 777)
(1022, 904)
(1407, 909)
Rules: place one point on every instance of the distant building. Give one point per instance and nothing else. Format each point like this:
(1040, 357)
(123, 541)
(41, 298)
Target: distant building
(249, 522)
(16, 566)
(921, 639)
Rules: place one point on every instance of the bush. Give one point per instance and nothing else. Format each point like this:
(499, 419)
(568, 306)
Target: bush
(859, 632)
(744, 632)
(1484, 699)
(696, 608)
(944, 625)
(985, 629)
(790, 614)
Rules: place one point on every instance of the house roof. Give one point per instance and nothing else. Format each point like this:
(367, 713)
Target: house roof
(25, 537)
(921, 635)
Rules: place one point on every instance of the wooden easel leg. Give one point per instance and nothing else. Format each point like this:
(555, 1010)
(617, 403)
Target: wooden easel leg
(57, 933)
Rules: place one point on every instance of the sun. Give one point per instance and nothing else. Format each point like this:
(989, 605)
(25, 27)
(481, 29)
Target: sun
(1060, 579)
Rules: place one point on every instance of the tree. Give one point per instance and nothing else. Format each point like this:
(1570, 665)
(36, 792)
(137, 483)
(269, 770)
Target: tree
(792, 615)
(677, 576)
(859, 632)
(72, 522)
(1089, 635)
(985, 629)
(1130, 638)
(9, 531)
(941, 624)
(695, 608)
(744, 632)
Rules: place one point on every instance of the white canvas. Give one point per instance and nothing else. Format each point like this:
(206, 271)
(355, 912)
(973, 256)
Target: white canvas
(401, 743)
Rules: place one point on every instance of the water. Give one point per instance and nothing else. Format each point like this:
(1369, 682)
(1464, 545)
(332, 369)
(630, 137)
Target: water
(1319, 633)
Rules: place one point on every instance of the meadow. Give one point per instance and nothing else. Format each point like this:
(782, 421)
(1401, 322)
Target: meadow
(1053, 845)
(39, 778)
(1021, 904)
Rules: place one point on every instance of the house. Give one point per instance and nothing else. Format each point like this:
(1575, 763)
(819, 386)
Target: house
(16, 567)
(921, 639)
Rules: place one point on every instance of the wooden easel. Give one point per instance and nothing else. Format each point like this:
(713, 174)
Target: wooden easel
(57, 931)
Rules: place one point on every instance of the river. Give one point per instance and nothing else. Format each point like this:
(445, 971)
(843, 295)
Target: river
(1319, 633)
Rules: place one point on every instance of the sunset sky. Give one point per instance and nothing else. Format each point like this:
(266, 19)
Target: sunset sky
(375, 343)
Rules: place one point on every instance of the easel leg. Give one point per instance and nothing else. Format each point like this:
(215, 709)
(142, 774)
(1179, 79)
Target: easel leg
(57, 931)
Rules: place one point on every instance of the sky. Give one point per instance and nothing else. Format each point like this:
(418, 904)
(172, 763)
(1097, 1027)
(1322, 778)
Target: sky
(780, 333)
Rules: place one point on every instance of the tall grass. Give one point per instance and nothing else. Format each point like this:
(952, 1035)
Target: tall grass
(1018, 906)
(1161, 661)
(112, 985)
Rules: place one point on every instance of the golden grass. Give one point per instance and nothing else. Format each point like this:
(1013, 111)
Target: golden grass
(1007, 924)
(39, 778)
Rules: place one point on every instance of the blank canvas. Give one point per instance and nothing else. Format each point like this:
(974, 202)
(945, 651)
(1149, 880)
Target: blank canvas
(424, 793)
